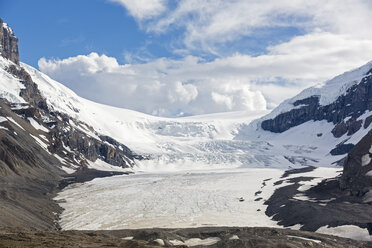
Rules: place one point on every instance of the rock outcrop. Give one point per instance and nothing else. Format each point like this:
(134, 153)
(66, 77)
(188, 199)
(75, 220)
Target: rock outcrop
(344, 113)
(349, 106)
(8, 43)
(357, 173)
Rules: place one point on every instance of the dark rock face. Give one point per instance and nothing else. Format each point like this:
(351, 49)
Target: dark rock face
(326, 205)
(358, 163)
(83, 146)
(8, 43)
(341, 149)
(31, 92)
(353, 104)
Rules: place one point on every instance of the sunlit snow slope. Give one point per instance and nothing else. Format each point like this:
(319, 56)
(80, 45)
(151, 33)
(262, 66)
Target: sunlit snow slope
(216, 140)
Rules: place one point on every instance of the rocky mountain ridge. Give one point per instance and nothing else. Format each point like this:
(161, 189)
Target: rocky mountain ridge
(343, 113)
(349, 113)
(68, 137)
(8, 43)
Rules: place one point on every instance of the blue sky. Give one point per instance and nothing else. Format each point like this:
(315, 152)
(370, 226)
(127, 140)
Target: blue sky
(187, 57)
(61, 29)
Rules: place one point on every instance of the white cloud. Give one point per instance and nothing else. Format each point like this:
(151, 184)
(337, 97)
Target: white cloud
(193, 86)
(161, 87)
(143, 9)
(336, 37)
(206, 24)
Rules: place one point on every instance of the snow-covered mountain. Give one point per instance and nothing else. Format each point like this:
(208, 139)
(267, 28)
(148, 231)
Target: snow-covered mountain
(317, 127)
(331, 117)
(48, 132)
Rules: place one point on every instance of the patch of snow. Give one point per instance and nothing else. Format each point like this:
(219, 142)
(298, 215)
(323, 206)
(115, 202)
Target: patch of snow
(296, 227)
(365, 160)
(16, 123)
(1, 127)
(128, 238)
(2, 119)
(347, 231)
(68, 170)
(103, 166)
(302, 197)
(303, 238)
(19, 106)
(367, 197)
(196, 241)
(40, 142)
(202, 242)
(347, 118)
(234, 237)
(44, 138)
(37, 125)
(159, 242)
(66, 147)
(9, 29)
(63, 161)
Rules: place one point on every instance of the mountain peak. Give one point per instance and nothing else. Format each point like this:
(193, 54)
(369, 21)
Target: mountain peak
(8, 43)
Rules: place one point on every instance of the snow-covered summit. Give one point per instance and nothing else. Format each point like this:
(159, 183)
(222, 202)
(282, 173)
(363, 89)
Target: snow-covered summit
(217, 140)
(9, 29)
(327, 91)
(200, 141)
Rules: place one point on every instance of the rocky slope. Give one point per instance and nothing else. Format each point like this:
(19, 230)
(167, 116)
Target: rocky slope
(357, 174)
(198, 237)
(348, 111)
(38, 145)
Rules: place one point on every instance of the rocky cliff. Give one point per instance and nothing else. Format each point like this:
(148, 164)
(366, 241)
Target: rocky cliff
(8, 43)
(357, 173)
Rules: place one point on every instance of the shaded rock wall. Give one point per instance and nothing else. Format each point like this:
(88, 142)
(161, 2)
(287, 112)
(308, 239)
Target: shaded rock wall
(353, 104)
(355, 177)
(8, 43)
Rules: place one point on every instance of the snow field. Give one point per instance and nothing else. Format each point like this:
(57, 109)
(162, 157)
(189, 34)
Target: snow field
(174, 200)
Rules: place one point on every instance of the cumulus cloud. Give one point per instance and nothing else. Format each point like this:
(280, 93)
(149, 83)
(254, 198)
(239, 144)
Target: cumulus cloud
(162, 87)
(334, 38)
(191, 85)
